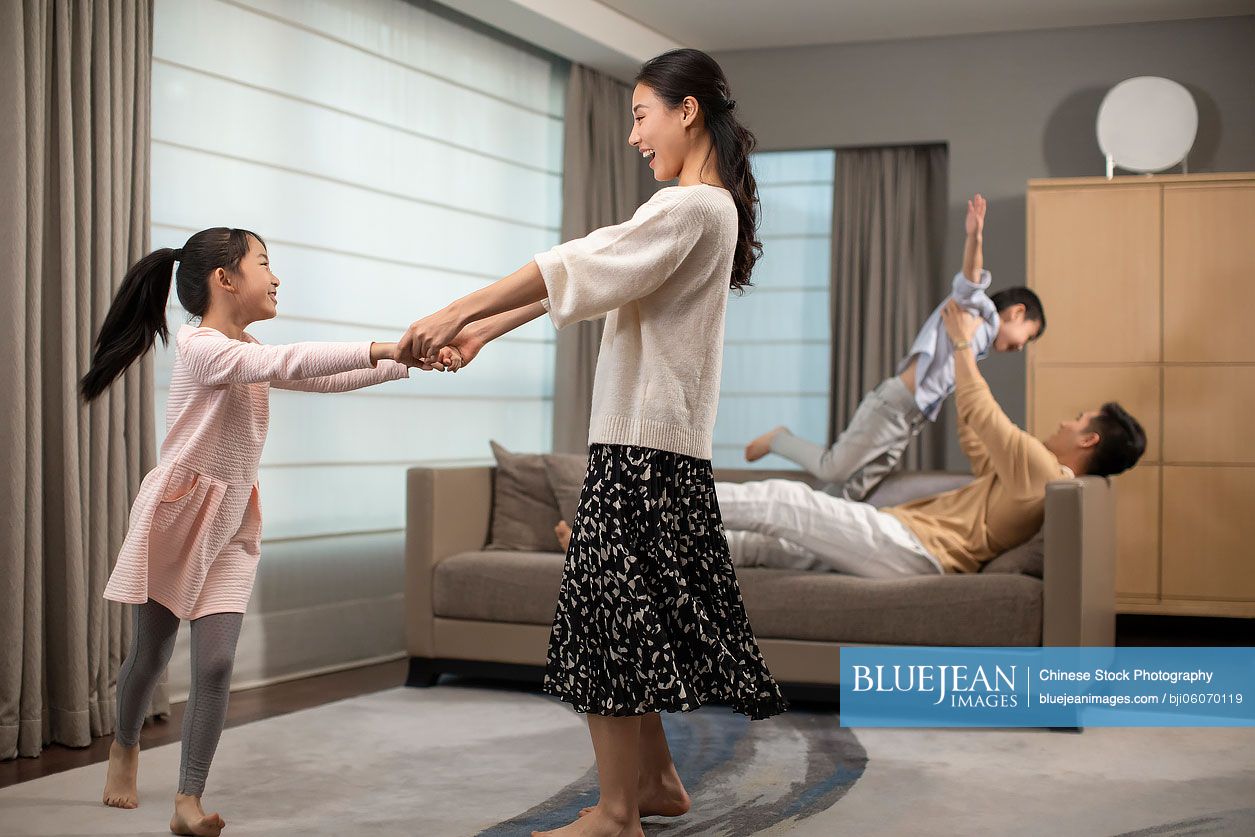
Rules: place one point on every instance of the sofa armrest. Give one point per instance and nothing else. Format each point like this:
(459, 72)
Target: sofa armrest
(1079, 572)
(447, 511)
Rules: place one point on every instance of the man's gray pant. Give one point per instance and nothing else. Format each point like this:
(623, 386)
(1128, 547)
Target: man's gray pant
(868, 449)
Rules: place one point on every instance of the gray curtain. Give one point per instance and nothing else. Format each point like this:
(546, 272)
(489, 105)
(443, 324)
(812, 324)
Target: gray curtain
(888, 225)
(74, 157)
(604, 180)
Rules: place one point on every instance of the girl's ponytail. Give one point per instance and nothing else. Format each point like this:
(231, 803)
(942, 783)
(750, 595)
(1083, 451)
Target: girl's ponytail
(138, 314)
(135, 319)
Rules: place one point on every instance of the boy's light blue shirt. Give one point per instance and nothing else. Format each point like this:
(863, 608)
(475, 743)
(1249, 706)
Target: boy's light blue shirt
(934, 375)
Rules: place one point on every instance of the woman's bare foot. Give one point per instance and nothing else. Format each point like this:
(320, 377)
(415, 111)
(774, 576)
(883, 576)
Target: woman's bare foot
(661, 797)
(563, 531)
(597, 823)
(190, 819)
(761, 446)
(120, 781)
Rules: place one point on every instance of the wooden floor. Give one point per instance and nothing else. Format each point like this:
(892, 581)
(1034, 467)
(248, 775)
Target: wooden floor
(245, 707)
(283, 698)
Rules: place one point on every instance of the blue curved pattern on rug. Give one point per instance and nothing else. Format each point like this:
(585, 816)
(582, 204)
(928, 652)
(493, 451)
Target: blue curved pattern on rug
(743, 777)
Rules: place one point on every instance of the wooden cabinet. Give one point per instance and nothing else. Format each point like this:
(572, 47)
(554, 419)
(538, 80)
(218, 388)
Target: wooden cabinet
(1137, 545)
(1149, 289)
(1207, 535)
(1094, 253)
(1209, 272)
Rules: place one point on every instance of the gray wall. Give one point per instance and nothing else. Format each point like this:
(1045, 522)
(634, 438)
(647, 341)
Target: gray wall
(1011, 107)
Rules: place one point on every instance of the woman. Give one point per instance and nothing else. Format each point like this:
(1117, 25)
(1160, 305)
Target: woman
(649, 616)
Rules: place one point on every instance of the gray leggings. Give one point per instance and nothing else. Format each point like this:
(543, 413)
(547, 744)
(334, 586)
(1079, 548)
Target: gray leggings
(213, 655)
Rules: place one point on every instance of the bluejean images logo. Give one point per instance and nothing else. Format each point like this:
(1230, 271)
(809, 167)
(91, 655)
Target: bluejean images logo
(1047, 687)
(962, 685)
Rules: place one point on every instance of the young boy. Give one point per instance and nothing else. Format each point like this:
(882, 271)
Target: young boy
(890, 416)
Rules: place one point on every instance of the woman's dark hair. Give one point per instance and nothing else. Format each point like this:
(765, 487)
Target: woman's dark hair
(691, 72)
(138, 313)
(1121, 441)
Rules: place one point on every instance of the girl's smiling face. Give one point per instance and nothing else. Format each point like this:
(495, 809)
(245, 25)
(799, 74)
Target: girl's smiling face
(253, 284)
(661, 133)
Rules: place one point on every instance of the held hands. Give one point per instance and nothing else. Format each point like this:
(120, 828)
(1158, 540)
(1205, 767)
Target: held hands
(960, 324)
(462, 349)
(451, 357)
(974, 225)
(448, 358)
(427, 336)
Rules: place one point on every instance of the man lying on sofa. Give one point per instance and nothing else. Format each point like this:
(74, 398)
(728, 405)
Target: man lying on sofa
(787, 524)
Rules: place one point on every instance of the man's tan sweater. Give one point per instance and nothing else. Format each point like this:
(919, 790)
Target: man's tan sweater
(1003, 506)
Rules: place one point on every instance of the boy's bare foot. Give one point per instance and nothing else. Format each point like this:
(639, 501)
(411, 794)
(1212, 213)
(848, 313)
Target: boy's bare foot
(190, 819)
(563, 531)
(120, 781)
(761, 446)
(597, 823)
(664, 797)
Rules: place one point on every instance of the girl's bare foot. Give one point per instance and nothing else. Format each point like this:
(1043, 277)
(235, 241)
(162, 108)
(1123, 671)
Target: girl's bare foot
(563, 531)
(598, 823)
(761, 446)
(661, 797)
(190, 819)
(120, 781)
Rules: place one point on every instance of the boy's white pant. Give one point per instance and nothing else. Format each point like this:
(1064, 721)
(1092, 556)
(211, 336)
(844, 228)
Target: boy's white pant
(787, 524)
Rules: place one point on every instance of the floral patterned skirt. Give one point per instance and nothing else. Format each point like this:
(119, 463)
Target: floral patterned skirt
(650, 616)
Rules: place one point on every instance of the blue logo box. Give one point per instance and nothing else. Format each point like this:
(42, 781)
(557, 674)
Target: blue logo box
(1047, 687)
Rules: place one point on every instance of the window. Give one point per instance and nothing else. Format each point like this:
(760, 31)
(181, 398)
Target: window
(394, 159)
(777, 344)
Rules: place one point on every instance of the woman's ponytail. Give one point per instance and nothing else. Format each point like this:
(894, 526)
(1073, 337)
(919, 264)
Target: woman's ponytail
(135, 319)
(691, 72)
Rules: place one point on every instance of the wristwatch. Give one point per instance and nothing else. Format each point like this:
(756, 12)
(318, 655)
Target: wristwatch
(962, 344)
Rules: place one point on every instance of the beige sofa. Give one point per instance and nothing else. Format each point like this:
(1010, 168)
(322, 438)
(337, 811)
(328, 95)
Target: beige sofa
(488, 613)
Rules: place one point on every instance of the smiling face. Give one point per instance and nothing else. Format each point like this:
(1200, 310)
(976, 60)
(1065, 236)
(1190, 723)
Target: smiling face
(1073, 435)
(1015, 330)
(252, 286)
(662, 134)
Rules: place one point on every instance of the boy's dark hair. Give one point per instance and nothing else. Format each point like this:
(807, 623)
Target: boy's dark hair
(1121, 441)
(1033, 309)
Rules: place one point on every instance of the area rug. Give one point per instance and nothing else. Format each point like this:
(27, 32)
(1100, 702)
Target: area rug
(475, 759)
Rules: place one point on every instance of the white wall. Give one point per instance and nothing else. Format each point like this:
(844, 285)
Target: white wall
(394, 159)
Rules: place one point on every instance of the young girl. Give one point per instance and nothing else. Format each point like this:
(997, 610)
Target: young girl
(649, 616)
(195, 528)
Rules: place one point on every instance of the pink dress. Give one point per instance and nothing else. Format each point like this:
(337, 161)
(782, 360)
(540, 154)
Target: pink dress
(195, 528)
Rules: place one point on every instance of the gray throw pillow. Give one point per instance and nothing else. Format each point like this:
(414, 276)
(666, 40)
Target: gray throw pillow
(565, 472)
(523, 508)
(1029, 558)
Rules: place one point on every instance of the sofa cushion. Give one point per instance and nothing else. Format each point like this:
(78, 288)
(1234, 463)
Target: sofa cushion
(565, 473)
(1029, 558)
(498, 586)
(524, 511)
(955, 609)
(995, 609)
